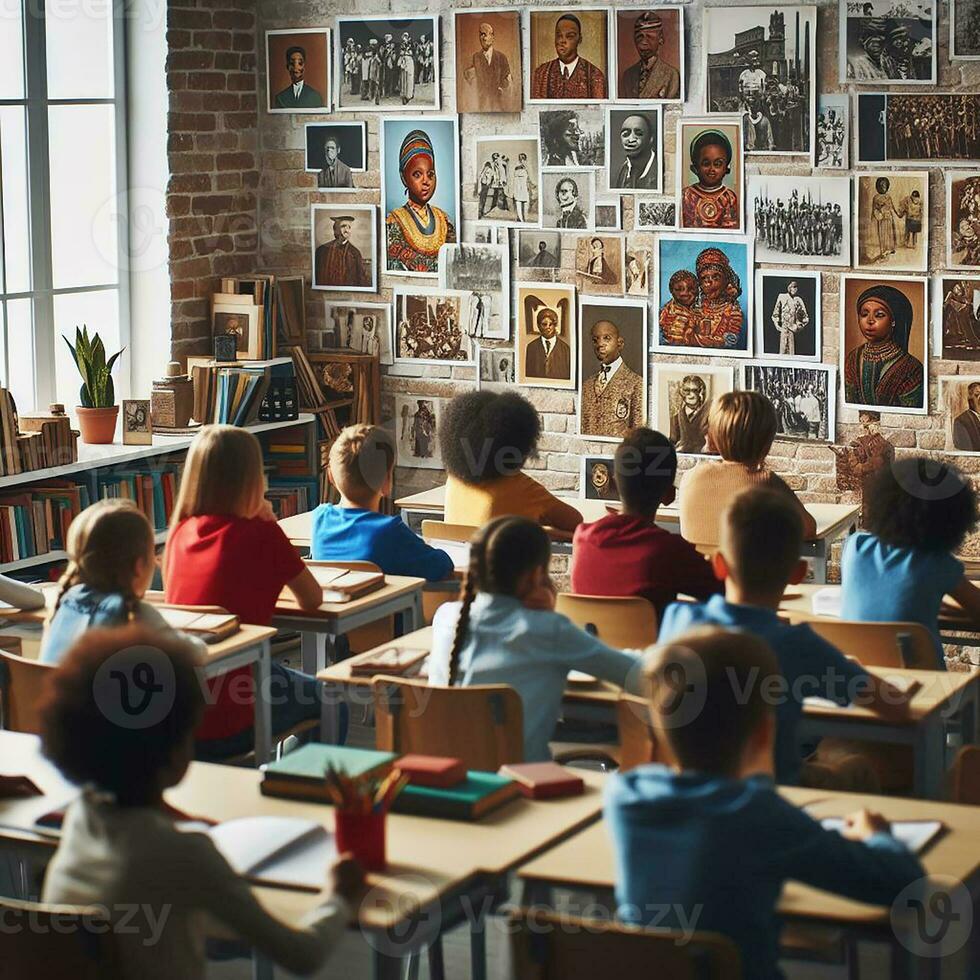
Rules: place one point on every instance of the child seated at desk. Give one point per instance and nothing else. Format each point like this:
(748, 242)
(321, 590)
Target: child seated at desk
(918, 513)
(362, 464)
(741, 428)
(505, 630)
(761, 537)
(486, 438)
(120, 848)
(706, 832)
(627, 554)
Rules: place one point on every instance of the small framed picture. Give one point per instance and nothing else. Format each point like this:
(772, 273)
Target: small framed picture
(804, 397)
(335, 152)
(787, 315)
(298, 70)
(597, 481)
(225, 347)
(654, 213)
(137, 429)
(608, 214)
(682, 399)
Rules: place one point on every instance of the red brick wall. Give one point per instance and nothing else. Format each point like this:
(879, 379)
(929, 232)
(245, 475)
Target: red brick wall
(212, 142)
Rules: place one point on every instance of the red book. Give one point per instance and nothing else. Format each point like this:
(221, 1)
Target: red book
(543, 780)
(432, 770)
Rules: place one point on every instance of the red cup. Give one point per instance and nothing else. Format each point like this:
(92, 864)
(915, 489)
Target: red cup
(363, 836)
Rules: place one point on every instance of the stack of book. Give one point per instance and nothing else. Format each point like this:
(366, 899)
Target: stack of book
(153, 491)
(35, 441)
(239, 393)
(271, 399)
(35, 520)
(259, 311)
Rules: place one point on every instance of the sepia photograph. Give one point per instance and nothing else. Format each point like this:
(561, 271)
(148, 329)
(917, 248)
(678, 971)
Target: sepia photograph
(682, 397)
(608, 213)
(760, 62)
(787, 315)
(508, 180)
(654, 214)
(538, 249)
(417, 431)
(566, 199)
(599, 264)
(636, 276)
(891, 228)
(710, 173)
(804, 398)
(137, 428)
(387, 63)
(335, 152)
(572, 138)
(488, 60)
(635, 153)
(956, 300)
(597, 479)
(568, 54)
(345, 247)
(833, 130)
(963, 220)
(361, 327)
(648, 48)
(297, 70)
(496, 367)
(545, 342)
(887, 41)
(431, 325)
(484, 271)
(959, 406)
(918, 128)
(964, 30)
(483, 234)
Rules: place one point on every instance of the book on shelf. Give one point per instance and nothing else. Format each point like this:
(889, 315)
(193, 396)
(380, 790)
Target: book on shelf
(152, 490)
(272, 400)
(289, 497)
(35, 520)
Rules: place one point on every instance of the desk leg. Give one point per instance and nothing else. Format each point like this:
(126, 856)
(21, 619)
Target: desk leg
(820, 562)
(330, 713)
(262, 968)
(387, 967)
(437, 968)
(410, 619)
(263, 706)
(478, 948)
(930, 758)
(309, 644)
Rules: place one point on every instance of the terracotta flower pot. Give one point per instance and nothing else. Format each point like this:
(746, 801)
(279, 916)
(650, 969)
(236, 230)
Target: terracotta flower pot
(97, 425)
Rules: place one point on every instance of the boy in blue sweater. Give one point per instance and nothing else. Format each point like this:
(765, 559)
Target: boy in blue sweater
(707, 834)
(362, 463)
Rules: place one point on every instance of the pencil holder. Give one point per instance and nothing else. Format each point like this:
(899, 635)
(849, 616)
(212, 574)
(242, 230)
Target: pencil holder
(363, 836)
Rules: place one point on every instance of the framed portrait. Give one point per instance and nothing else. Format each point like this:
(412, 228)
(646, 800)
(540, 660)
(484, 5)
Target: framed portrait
(483, 234)
(833, 132)
(431, 326)
(599, 264)
(597, 479)
(787, 315)
(804, 397)
(887, 42)
(335, 152)
(683, 394)
(800, 220)
(484, 271)
(573, 137)
(964, 30)
(648, 48)
(760, 61)
(956, 302)
(636, 273)
(568, 54)
(496, 368)
(508, 180)
(417, 420)
(613, 367)
(538, 249)
(608, 214)
(419, 191)
(654, 213)
(703, 295)
(236, 315)
(386, 63)
(137, 427)
(963, 220)
(635, 152)
(959, 403)
(566, 200)
(345, 247)
(546, 340)
(883, 347)
(297, 70)
(361, 327)
(710, 174)
(892, 226)
(489, 76)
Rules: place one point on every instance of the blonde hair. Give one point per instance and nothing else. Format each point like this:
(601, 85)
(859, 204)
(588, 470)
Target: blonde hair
(742, 426)
(361, 458)
(104, 543)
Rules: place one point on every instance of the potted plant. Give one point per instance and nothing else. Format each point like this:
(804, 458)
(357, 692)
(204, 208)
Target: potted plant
(97, 409)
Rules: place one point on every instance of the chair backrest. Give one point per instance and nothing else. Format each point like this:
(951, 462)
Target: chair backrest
(441, 531)
(20, 690)
(552, 946)
(894, 644)
(482, 725)
(966, 776)
(619, 621)
(636, 739)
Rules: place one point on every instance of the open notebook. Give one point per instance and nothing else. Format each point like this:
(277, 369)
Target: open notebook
(209, 626)
(914, 834)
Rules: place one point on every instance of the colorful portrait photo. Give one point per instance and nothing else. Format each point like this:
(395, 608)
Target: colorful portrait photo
(568, 54)
(710, 174)
(892, 226)
(345, 247)
(649, 53)
(956, 300)
(488, 60)
(508, 180)
(963, 220)
(683, 394)
(546, 337)
(959, 402)
(297, 64)
(635, 153)
(787, 315)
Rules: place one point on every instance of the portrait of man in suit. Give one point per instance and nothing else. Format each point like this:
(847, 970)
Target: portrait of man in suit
(569, 77)
(298, 94)
(612, 399)
(334, 172)
(966, 425)
(489, 75)
(547, 355)
(636, 136)
(570, 213)
(651, 76)
(689, 415)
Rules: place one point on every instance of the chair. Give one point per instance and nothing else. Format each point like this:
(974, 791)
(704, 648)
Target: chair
(966, 776)
(552, 946)
(877, 644)
(624, 622)
(21, 681)
(637, 742)
(441, 531)
(482, 725)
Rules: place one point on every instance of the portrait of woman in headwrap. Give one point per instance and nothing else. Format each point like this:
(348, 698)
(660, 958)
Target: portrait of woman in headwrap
(719, 317)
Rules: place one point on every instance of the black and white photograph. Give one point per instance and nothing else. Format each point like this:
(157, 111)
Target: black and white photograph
(381, 62)
(760, 61)
(599, 264)
(959, 405)
(572, 137)
(335, 152)
(682, 397)
(833, 132)
(508, 180)
(654, 214)
(636, 275)
(482, 234)
(963, 220)
(805, 398)
(597, 479)
(484, 271)
(297, 63)
(566, 200)
(432, 326)
(964, 30)
(956, 306)
(417, 431)
(635, 154)
(137, 428)
(361, 327)
(608, 213)
(787, 315)
(496, 367)
(918, 128)
(888, 41)
(891, 220)
(801, 220)
(538, 249)
(345, 247)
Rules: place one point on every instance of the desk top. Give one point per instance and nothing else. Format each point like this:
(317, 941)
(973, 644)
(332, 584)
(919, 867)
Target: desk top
(340, 672)
(395, 586)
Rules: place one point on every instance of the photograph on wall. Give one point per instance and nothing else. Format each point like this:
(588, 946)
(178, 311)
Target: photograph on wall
(597, 479)
(956, 301)
(800, 220)
(431, 326)
(833, 132)
(387, 63)
(613, 367)
(546, 338)
(488, 60)
(335, 152)
(787, 315)
(538, 249)
(710, 173)
(648, 48)
(654, 214)
(959, 404)
(703, 295)
(963, 220)
(964, 30)
(890, 41)
(345, 247)
(883, 345)
(635, 155)
(484, 271)
(508, 180)
(682, 397)
(636, 275)
(599, 264)
(496, 367)
(891, 228)
(568, 54)
(419, 191)
(297, 70)
(417, 431)
(918, 128)
(608, 214)
(566, 199)
(361, 327)
(572, 137)
(760, 61)
(482, 234)
(804, 398)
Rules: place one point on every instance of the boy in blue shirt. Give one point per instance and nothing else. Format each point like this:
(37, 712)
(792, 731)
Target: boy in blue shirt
(761, 536)
(707, 834)
(362, 463)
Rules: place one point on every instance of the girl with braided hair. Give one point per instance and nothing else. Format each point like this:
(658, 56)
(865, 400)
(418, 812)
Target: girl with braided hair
(504, 630)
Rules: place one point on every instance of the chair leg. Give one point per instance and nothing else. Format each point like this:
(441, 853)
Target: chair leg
(437, 967)
(478, 948)
(414, 963)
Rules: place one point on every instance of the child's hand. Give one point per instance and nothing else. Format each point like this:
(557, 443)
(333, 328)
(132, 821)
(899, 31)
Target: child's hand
(863, 824)
(347, 879)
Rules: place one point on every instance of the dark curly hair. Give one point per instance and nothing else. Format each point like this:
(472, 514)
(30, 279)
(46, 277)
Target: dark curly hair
(117, 706)
(486, 434)
(921, 503)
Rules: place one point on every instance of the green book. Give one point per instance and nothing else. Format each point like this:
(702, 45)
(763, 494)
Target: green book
(478, 794)
(300, 774)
